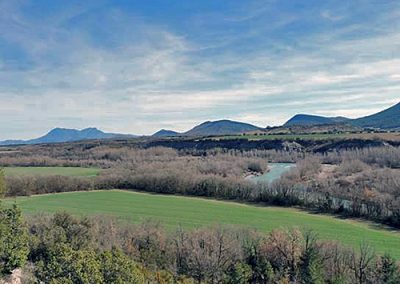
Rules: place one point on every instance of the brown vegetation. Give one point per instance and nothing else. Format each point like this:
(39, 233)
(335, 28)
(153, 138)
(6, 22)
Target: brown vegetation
(207, 255)
(363, 183)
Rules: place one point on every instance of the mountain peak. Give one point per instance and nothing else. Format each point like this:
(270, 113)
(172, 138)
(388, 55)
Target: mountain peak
(165, 133)
(386, 119)
(58, 135)
(308, 119)
(221, 127)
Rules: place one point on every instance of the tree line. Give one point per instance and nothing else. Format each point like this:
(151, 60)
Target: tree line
(362, 183)
(66, 249)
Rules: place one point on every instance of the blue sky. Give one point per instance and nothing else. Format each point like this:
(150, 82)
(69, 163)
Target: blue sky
(138, 66)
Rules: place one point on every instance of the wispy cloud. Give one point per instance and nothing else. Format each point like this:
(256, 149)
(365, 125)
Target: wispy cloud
(137, 71)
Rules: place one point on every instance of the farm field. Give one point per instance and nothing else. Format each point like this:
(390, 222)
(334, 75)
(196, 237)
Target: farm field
(63, 171)
(317, 136)
(189, 212)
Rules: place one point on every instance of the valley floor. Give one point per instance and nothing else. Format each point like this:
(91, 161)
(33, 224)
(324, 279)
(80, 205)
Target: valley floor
(47, 171)
(189, 212)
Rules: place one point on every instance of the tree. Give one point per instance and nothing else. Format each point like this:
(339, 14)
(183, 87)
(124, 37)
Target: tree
(63, 264)
(388, 270)
(206, 255)
(361, 262)
(119, 269)
(311, 267)
(262, 270)
(13, 240)
(284, 249)
(241, 274)
(3, 187)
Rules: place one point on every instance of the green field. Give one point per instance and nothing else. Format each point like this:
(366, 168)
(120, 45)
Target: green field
(314, 136)
(62, 171)
(196, 212)
(289, 137)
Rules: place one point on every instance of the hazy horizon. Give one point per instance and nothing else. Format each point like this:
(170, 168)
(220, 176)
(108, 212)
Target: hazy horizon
(138, 67)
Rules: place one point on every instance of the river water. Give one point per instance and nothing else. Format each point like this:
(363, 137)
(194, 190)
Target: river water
(276, 170)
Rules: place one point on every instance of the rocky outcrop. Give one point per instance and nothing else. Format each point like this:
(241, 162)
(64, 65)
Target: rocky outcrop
(14, 278)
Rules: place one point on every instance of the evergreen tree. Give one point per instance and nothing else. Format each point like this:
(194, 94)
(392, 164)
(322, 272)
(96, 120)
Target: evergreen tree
(241, 274)
(389, 270)
(63, 264)
(3, 187)
(119, 269)
(13, 240)
(311, 269)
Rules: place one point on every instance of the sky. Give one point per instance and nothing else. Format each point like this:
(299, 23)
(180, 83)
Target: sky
(130, 66)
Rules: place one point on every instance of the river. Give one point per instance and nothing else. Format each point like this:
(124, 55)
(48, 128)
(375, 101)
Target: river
(276, 170)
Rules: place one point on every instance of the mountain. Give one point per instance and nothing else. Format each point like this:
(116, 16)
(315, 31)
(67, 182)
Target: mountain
(310, 120)
(165, 133)
(306, 119)
(221, 127)
(386, 119)
(340, 119)
(58, 135)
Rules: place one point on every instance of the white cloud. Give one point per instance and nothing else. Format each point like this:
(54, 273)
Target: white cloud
(330, 16)
(155, 76)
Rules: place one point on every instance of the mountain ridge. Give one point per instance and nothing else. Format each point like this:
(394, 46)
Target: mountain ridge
(386, 119)
(311, 120)
(165, 133)
(221, 127)
(59, 135)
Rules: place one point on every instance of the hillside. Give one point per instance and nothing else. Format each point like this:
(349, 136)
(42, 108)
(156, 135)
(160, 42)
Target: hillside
(221, 127)
(165, 133)
(386, 119)
(58, 135)
(306, 119)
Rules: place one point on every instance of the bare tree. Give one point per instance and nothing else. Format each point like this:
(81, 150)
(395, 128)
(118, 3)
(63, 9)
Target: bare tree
(361, 262)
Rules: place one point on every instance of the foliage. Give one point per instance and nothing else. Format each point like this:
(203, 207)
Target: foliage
(117, 268)
(13, 240)
(61, 253)
(3, 186)
(361, 186)
(311, 268)
(388, 269)
(191, 213)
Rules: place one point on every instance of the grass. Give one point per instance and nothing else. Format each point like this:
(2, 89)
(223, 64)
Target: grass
(315, 136)
(63, 171)
(188, 212)
(285, 136)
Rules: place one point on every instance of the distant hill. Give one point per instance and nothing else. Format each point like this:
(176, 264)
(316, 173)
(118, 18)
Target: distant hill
(165, 133)
(386, 119)
(309, 120)
(221, 127)
(58, 135)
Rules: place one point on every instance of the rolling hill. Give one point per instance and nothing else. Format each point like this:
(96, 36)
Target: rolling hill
(386, 119)
(309, 120)
(58, 135)
(221, 127)
(165, 133)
